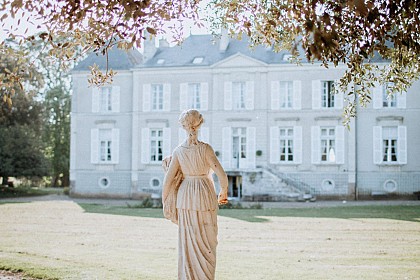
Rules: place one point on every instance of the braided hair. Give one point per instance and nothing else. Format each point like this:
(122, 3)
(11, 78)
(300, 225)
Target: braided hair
(191, 120)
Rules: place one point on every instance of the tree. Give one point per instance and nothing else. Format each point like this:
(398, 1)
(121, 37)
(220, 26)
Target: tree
(353, 32)
(21, 148)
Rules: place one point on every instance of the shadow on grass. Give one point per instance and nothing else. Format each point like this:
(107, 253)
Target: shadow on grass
(403, 213)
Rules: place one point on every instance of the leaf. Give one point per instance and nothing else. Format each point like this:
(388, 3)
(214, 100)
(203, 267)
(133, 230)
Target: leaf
(151, 30)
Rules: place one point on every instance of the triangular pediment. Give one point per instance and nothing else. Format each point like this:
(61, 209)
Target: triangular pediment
(239, 60)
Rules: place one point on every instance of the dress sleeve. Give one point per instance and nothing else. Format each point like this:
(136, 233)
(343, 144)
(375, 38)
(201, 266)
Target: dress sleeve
(169, 180)
(217, 168)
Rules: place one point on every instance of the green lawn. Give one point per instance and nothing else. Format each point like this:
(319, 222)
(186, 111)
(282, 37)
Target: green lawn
(22, 191)
(404, 213)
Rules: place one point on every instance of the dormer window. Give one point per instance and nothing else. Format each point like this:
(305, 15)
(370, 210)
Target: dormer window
(160, 61)
(287, 57)
(198, 60)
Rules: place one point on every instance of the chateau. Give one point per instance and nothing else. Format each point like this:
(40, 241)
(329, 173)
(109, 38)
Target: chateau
(275, 126)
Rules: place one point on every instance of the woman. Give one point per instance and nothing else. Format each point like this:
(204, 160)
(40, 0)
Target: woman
(196, 204)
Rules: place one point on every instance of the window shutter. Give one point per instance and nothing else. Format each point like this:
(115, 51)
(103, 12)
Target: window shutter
(94, 145)
(250, 147)
(95, 99)
(204, 96)
(338, 98)
(166, 142)
(204, 134)
(315, 144)
(115, 99)
(226, 147)
(228, 95)
(145, 145)
(146, 98)
(377, 144)
(274, 145)
(166, 97)
(297, 95)
(183, 96)
(275, 95)
(402, 145)
(249, 100)
(115, 148)
(316, 94)
(377, 96)
(297, 144)
(401, 100)
(340, 147)
(182, 135)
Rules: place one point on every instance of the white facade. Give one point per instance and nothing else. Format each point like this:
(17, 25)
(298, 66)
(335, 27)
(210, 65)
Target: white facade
(276, 128)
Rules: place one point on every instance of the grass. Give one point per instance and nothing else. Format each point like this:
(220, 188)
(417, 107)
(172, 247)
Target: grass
(22, 191)
(403, 213)
(65, 240)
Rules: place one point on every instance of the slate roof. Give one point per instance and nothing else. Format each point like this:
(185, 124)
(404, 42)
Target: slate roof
(117, 60)
(207, 46)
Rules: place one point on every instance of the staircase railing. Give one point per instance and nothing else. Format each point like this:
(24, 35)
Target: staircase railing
(298, 185)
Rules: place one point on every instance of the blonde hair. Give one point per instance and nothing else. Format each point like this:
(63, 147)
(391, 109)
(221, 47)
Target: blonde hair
(191, 120)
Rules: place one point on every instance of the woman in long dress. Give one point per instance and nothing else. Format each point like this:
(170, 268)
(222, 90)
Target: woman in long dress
(196, 201)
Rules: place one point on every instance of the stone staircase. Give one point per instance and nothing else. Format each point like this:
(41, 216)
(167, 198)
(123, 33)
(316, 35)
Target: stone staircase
(277, 186)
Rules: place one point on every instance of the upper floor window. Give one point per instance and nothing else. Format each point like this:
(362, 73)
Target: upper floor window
(106, 99)
(327, 94)
(157, 97)
(381, 97)
(198, 60)
(194, 98)
(286, 94)
(238, 95)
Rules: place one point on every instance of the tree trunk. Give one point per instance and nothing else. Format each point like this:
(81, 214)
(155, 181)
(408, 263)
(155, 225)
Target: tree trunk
(5, 180)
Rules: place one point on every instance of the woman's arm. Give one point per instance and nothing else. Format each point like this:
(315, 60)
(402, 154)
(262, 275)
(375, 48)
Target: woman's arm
(221, 174)
(168, 181)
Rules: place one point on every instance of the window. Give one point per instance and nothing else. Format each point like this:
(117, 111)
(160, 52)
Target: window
(388, 101)
(238, 94)
(157, 97)
(286, 144)
(327, 94)
(105, 99)
(160, 61)
(105, 145)
(286, 94)
(194, 100)
(239, 142)
(156, 145)
(198, 60)
(327, 144)
(389, 140)
(104, 182)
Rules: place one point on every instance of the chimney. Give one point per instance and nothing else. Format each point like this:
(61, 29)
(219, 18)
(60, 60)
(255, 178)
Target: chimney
(149, 46)
(163, 43)
(224, 40)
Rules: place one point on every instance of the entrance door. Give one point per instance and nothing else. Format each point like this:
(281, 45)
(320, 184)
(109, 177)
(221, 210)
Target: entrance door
(235, 187)
(239, 157)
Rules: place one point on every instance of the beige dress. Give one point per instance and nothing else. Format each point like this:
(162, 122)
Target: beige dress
(197, 209)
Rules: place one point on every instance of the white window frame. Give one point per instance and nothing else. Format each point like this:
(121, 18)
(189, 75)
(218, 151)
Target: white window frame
(194, 96)
(390, 144)
(400, 146)
(157, 97)
(329, 144)
(286, 138)
(105, 146)
(105, 99)
(286, 94)
(156, 145)
(239, 95)
(328, 97)
(388, 101)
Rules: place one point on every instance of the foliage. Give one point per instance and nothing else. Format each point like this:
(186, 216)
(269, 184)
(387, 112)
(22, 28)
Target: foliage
(20, 191)
(355, 33)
